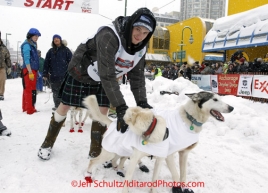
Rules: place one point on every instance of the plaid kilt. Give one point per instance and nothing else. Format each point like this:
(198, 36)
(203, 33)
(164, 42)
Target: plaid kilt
(72, 92)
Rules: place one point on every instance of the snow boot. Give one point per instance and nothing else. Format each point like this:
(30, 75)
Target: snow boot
(5, 132)
(52, 133)
(97, 130)
(3, 129)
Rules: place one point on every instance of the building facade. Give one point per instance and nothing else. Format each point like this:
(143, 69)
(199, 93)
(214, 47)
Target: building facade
(164, 20)
(210, 9)
(15, 55)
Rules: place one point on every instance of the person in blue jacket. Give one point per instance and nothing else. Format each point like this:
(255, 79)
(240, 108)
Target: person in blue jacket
(56, 65)
(29, 70)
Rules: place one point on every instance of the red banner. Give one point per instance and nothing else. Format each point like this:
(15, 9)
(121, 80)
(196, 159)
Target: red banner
(228, 84)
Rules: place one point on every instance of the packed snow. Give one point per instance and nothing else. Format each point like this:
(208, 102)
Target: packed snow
(231, 156)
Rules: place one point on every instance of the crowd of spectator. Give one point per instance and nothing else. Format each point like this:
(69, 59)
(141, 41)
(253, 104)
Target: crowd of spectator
(237, 64)
(15, 71)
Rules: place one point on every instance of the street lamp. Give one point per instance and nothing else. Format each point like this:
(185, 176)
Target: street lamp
(18, 51)
(6, 37)
(191, 39)
(125, 7)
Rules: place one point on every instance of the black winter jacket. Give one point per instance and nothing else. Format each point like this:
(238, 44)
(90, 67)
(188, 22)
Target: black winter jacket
(56, 63)
(103, 48)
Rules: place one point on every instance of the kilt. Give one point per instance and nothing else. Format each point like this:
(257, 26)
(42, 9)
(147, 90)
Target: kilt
(72, 92)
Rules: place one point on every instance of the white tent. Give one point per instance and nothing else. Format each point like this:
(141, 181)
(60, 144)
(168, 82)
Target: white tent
(246, 29)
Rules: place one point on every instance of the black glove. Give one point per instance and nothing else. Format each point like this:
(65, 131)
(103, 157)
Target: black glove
(120, 111)
(144, 104)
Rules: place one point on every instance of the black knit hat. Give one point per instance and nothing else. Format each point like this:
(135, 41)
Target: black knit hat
(145, 21)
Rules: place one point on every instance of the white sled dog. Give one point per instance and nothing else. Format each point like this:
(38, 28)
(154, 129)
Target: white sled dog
(184, 125)
(145, 128)
(73, 120)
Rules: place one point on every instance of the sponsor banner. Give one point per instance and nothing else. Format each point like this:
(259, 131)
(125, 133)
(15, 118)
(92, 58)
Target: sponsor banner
(214, 83)
(228, 84)
(78, 6)
(260, 86)
(244, 85)
(202, 81)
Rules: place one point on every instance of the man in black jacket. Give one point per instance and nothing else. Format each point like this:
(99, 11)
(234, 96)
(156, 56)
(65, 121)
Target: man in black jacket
(109, 53)
(56, 65)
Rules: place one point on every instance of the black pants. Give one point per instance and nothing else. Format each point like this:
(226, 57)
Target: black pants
(55, 86)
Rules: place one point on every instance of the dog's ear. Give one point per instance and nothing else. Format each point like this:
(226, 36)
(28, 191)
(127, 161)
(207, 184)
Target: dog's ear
(194, 96)
(131, 115)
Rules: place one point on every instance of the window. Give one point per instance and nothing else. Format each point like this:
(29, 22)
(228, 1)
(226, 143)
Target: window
(161, 38)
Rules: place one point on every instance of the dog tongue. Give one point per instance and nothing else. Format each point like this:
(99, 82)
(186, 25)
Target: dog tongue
(217, 115)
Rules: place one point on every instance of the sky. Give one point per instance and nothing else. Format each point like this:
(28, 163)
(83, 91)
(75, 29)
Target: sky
(231, 156)
(73, 27)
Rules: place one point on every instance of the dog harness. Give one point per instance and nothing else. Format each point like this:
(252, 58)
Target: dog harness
(180, 136)
(123, 143)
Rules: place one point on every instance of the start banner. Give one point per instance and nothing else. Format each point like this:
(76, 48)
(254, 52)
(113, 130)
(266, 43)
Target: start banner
(78, 6)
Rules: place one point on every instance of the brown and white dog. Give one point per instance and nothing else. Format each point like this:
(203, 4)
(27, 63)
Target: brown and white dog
(145, 128)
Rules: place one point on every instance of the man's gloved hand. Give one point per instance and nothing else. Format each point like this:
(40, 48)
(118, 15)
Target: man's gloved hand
(144, 104)
(120, 111)
(31, 76)
(8, 71)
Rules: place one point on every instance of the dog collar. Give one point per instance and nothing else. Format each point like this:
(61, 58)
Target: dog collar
(193, 121)
(149, 131)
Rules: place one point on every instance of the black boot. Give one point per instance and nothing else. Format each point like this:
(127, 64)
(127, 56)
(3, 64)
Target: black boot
(97, 130)
(52, 134)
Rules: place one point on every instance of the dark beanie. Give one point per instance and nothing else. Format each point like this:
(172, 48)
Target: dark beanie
(145, 21)
(56, 36)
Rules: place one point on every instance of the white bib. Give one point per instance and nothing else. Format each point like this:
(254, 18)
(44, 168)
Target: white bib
(124, 62)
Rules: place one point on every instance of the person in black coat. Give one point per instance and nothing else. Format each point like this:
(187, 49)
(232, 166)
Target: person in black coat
(56, 65)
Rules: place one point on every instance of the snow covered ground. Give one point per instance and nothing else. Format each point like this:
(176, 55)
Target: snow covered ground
(231, 157)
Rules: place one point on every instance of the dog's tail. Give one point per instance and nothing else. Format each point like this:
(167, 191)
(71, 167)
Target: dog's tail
(94, 112)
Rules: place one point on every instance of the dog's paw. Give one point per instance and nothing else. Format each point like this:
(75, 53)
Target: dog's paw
(88, 179)
(80, 130)
(76, 122)
(71, 130)
(179, 190)
(120, 174)
(188, 191)
(107, 165)
(144, 168)
(176, 189)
